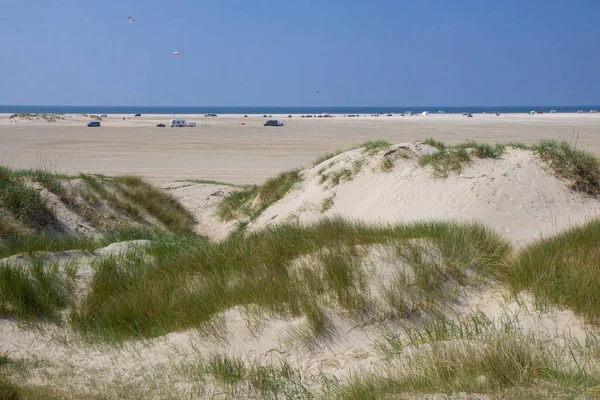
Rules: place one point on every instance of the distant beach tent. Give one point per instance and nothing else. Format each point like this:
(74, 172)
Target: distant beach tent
(131, 19)
(175, 53)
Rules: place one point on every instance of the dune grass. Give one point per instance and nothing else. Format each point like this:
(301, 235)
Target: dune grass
(22, 201)
(452, 159)
(177, 286)
(582, 168)
(562, 270)
(210, 182)
(327, 156)
(158, 203)
(37, 291)
(567, 162)
(236, 379)
(373, 146)
(476, 355)
(249, 202)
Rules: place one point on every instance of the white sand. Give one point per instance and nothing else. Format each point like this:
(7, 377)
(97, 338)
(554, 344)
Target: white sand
(224, 150)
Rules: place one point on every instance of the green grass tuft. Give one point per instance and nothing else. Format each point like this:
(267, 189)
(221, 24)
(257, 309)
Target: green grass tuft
(582, 168)
(562, 270)
(35, 291)
(253, 200)
(375, 145)
(24, 202)
(158, 203)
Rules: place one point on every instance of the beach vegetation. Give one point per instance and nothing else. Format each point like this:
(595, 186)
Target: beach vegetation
(157, 202)
(372, 146)
(561, 270)
(567, 162)
(23, 201)
(477, 355)
(325, 157)
(251, 201)
(286, 269)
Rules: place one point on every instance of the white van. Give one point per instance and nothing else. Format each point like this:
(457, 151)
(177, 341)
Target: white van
(177, 123)
(191, 124)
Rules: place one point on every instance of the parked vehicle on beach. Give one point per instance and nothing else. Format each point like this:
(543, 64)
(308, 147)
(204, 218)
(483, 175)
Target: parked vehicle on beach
(177, 123)
(273, 122)
(191, 124)
(137, 115)
(160, 125)
(93, 124)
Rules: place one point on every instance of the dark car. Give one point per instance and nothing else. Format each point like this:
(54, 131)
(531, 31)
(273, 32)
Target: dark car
(469, 115)
(137, 115)
(93, 124)
(289, 116)
(271, 122)
(264, 115)
(160, 125)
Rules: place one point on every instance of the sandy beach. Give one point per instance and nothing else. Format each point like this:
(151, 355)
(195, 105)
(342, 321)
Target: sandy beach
(220, 148)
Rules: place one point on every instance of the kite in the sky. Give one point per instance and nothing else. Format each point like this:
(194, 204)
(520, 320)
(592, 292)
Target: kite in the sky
(175, 53)
(131, 19)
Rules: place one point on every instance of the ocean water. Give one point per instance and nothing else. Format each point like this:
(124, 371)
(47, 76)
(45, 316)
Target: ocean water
(283, 110)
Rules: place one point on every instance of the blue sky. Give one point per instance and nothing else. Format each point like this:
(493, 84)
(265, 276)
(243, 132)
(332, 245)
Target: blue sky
(280, 52)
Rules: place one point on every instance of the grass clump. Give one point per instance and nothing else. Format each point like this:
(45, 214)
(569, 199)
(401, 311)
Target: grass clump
(373, 146)
(452, 159)
(582, 168)
(35, 291)
(253, 200)
(161, 205)
(562, 270)
(476, 356)
(435, 143)
(209, 182)
(236, 379)
(446, 161)
(24, 202)
(325, 157)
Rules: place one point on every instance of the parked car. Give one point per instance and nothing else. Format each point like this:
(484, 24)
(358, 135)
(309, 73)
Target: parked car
(160, 125)
(137, 115)
(210, 115)
(273, 122)
(93, 124)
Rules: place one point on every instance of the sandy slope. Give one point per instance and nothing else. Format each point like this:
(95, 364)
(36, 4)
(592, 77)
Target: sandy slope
(513, 195)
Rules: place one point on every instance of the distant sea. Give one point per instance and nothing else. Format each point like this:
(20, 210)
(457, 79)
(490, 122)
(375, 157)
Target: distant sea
(283, 110)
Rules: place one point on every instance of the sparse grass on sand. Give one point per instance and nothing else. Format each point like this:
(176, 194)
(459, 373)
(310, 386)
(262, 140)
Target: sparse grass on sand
(563, 270)
(23, 201)
(176, 286)
(158, 203)
(249, 202)
(452, 159)
(210, 182)
(578, 166)
(36, 291)
(476, 355)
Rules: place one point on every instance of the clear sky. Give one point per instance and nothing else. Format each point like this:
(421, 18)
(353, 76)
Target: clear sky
(281, 52)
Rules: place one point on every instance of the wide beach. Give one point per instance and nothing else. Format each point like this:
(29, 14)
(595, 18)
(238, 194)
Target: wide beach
(221, 148)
